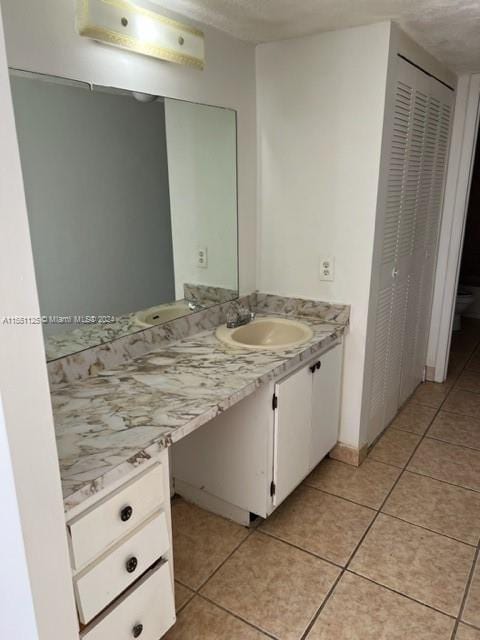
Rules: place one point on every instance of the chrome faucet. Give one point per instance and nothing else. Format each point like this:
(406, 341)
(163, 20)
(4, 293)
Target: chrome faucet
(238, 316)
(195, 306)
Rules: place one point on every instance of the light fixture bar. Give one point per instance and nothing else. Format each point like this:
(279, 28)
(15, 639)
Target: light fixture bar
(123, 24)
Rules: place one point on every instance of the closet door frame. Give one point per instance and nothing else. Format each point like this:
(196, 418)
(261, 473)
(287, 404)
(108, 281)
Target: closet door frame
(460, 164)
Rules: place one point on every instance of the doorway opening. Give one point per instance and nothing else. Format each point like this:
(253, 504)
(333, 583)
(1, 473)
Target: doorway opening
(462, 155)
(465, 340)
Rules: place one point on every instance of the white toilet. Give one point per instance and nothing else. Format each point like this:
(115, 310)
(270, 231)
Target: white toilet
(463, 301)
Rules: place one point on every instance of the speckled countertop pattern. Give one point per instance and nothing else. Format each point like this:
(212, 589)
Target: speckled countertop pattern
(109, 424)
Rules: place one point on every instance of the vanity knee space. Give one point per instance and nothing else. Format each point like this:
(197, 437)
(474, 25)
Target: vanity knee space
(250, 458)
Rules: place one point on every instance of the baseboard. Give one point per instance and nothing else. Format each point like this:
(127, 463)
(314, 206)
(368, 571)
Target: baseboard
(430, 373)
(348, 454)
(211, 503)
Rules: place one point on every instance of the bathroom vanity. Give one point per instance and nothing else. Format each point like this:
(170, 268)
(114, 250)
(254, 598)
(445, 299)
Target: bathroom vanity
(243, 426)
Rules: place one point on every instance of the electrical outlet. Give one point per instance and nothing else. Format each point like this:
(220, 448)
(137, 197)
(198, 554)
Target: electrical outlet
(202, 257)
(327, 268)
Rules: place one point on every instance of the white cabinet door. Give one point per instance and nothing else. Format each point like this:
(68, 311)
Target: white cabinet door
(325, 405)
(293, 423)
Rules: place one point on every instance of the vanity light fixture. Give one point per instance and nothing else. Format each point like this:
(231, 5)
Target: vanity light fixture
(124, 24)
(144, 97)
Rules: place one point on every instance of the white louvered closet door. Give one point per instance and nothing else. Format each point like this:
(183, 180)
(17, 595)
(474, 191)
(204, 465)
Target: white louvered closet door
(406, 253)
(418, 178)
(397, 238)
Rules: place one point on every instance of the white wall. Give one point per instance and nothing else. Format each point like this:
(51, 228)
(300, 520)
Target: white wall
(40, 36)
(320, 104)
(30, 492)
(202, 159)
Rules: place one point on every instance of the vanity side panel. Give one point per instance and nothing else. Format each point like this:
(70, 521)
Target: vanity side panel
(230, 458)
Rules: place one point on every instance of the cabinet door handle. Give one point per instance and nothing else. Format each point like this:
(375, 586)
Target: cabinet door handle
(318, 365)
(312, 368)
(131, 564)
(126, 513)
(137, 630)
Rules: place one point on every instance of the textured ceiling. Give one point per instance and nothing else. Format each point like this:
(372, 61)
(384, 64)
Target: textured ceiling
(449, 29)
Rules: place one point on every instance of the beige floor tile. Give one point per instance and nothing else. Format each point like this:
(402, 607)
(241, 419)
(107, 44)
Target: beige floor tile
(473, 364)
(471, 613)
(361, 610)
(456, 365)
(459, 354)
(201, 542)
(467, 633)
(452, 511)
(462, 430)
(272, 585)
(447, 462)
(426, 566)
(465, 403)
(414, 417)
(431, 394)
(394, 447)
(367, 484)
(202, 620)
(469, 381)
(182, 595)
(320, 523)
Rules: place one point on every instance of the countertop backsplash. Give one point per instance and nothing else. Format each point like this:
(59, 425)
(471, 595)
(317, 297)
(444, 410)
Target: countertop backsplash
(91, 361)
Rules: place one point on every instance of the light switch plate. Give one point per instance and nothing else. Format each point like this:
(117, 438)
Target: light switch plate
(327, 268)
(202, 257)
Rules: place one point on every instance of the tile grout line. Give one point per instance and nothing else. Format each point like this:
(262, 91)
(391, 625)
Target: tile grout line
(265, 633)
(375, 510)
(449, 484)
(453, 444)
(422, 438)
(399, 593)
(465, 593)
(337, 565)
(196, 592)
(217, 569)
(335, 495)
(473, 545)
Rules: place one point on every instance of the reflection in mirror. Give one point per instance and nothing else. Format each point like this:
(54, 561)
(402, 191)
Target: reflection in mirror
(132, 207)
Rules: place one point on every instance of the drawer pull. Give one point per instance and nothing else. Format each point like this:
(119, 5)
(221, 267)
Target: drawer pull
(126, 513)
(137, 630)
(131, 565)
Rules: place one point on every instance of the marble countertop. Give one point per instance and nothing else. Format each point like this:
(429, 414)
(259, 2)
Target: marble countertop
(111, 423)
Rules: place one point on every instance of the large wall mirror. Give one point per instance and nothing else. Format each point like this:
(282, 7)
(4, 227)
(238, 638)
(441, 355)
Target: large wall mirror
(132, 204)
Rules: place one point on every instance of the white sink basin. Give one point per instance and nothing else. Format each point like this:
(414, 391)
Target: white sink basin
(161, 313)
(266, 333)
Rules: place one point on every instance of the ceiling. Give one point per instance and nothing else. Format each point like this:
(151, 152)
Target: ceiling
(449, 29)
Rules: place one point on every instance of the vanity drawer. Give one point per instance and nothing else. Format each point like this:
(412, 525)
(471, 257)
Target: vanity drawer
(119, 513)
(145, 611)
(98, 585)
